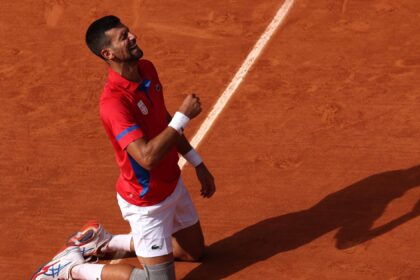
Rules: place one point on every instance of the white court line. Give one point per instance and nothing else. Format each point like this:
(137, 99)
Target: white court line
(240, 75)
(236, 81)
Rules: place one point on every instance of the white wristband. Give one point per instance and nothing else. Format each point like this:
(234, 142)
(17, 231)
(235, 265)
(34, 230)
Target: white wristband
(179, 122)
(193, 158)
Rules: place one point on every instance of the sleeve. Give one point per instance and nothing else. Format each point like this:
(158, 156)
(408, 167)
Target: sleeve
(120, 123)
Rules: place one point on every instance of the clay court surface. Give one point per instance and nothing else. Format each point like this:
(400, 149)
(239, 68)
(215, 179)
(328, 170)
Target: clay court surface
(316, 156)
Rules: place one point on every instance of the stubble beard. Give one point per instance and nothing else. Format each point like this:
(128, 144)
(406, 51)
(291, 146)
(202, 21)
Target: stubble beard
(138, 53)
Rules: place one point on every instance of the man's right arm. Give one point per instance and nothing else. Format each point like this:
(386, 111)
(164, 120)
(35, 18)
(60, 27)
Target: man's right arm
(148, 153)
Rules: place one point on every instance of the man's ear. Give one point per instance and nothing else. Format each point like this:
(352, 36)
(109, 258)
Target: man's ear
(107, 54)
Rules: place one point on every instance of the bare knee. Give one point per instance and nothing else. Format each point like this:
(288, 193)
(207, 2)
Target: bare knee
(193, 255)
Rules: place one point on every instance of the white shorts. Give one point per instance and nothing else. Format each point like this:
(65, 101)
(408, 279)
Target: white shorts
(152, 226)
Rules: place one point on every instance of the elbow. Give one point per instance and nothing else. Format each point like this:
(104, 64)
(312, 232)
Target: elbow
(148, 163)
(149, 166)
(144, 157)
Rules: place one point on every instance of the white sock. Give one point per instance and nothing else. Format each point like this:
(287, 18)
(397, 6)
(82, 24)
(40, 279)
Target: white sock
(120, 242)
(87, 271)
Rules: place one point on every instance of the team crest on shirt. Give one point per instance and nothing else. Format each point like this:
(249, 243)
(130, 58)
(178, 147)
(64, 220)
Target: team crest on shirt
(157, 87)
(142, 108)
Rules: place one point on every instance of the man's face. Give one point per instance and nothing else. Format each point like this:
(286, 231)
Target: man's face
(123, 46)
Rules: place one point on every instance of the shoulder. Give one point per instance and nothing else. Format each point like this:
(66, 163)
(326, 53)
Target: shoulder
(145, 64)
(112, 101)
(110, 94)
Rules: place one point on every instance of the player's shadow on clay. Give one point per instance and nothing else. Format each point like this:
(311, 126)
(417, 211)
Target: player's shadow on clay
(352, 211)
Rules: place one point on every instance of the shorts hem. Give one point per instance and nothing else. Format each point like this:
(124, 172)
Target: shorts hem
(184, 226)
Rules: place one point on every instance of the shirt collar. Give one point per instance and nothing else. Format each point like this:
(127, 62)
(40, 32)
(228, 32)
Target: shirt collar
(117, 79)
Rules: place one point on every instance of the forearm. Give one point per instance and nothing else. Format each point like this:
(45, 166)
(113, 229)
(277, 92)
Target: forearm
(158, 147)
(182, 145)
(184, 148)
(187, 151)
(148, 152)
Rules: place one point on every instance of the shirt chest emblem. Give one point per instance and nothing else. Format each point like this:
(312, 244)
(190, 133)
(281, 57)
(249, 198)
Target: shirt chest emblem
(142, 107)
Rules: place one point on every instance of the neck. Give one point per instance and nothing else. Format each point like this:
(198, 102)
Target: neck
(128, 70)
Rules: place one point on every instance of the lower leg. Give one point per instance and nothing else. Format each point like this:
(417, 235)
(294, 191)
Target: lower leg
(188, 243)
(119, 243)
(88, 271)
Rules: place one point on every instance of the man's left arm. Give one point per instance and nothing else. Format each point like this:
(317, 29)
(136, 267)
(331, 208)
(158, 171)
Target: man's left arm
(208, 187)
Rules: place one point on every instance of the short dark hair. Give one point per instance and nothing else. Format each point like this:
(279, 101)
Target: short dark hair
(96, 38)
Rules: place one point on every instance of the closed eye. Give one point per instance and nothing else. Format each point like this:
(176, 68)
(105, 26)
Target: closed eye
(124, 34)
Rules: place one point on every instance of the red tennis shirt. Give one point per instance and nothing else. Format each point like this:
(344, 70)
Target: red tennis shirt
(129, 111)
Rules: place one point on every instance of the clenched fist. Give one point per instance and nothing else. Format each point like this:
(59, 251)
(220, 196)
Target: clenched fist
(191, 106)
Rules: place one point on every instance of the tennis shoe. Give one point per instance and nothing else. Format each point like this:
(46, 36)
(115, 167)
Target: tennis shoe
(60, 266)
(91, 238)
